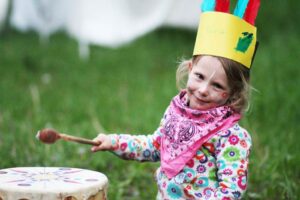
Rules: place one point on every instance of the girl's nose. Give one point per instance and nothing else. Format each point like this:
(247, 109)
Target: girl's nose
(203, 89)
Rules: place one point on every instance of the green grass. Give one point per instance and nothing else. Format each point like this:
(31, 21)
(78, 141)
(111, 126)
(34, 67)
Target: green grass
(126, 90)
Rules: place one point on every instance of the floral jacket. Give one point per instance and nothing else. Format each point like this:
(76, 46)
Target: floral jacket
(217, 171)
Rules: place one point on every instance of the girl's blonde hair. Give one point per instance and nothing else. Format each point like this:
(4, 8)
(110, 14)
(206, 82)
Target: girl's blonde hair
(238, 80)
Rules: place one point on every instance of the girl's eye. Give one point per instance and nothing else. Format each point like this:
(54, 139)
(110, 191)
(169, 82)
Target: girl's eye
(218, 86)
(200, 76)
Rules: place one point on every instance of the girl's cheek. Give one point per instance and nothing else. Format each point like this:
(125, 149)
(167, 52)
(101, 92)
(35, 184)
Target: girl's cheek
(224, 95)
(191, 85)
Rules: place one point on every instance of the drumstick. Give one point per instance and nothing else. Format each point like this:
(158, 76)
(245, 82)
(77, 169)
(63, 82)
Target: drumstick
(49, 136)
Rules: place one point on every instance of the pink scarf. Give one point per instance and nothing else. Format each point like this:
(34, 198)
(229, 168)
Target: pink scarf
(185, 130)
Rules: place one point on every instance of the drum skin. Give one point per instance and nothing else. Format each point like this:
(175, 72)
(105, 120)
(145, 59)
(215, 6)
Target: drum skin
(52, 183)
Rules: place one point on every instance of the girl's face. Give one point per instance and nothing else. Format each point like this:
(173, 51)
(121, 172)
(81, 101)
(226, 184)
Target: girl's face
(207, 85)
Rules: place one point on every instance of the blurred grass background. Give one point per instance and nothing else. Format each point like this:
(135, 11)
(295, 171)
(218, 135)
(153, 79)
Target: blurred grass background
(126, 90)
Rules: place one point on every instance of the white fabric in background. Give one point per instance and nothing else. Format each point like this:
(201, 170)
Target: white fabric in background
(3, 10)
(108, 23)
(112, 22)
(43, 16)
(184, 14)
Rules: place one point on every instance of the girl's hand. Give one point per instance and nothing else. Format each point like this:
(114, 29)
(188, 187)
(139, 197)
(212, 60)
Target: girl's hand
(104, 143)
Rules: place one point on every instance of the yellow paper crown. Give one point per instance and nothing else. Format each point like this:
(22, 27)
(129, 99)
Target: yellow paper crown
(226, 35)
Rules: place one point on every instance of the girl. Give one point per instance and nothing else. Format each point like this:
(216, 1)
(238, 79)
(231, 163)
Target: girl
(203, 150)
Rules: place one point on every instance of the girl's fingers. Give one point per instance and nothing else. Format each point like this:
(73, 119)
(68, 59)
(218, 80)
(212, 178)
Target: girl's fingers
(104, 143)
(100, 141)
(95, 148)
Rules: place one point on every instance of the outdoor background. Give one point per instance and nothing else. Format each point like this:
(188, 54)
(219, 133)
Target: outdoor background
(126, 90)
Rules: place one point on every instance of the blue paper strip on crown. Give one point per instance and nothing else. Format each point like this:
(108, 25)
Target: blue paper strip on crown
(208, 5)
(240, 8)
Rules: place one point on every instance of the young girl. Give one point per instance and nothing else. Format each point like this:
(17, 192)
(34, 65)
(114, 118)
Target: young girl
(203, 150)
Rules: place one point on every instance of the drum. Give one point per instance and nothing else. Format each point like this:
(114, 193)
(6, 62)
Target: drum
(52, 183)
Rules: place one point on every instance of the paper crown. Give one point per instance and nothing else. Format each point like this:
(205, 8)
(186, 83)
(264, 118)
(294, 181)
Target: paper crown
(223, 34)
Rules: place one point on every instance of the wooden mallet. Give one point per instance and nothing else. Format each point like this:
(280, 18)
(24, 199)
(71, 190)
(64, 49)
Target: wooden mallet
(49, 136)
